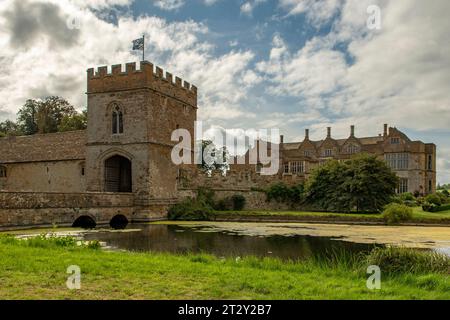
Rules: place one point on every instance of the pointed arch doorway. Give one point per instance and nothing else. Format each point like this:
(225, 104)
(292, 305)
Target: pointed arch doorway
(118, 174)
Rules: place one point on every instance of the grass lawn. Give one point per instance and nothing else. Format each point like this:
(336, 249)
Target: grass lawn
(418, 215)
(38, 271)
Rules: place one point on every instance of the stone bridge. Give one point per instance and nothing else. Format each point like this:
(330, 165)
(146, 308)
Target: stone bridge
(27, 209)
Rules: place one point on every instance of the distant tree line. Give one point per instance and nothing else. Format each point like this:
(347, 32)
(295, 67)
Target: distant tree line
(443, 186)
(53, 114)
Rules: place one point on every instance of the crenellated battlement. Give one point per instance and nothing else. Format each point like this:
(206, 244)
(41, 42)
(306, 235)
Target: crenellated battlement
(148, 76)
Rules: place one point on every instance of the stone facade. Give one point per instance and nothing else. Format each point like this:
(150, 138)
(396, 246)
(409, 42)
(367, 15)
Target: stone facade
(414, 162)
(126, 147)
(122, 163)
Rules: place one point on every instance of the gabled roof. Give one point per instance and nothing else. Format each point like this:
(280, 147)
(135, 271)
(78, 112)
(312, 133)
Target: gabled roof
(44, 147)
(340, 142)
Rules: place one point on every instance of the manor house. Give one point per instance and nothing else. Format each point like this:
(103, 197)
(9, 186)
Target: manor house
(121, 165)
(414, 162)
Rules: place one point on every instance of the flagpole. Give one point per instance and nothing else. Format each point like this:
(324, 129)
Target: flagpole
(143, 47)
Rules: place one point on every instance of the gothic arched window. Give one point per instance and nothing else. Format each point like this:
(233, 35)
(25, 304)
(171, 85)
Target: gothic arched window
(117, 120)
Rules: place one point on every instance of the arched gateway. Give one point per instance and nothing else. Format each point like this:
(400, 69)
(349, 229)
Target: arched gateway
(118, 174)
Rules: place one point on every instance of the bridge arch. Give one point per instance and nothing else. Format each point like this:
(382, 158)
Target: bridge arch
(119, 221)
(85, 222)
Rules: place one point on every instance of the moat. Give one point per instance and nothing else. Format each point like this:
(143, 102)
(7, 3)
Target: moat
(181, 239)
(293, 241)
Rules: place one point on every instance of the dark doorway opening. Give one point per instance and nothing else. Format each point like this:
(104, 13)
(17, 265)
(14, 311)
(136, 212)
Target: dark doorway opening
(119, 222)
(84, 222)
(118, 174)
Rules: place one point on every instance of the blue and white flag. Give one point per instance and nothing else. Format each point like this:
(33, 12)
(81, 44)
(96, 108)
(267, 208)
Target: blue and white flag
(138, 44)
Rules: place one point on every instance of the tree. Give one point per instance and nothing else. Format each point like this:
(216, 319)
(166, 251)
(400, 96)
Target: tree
(362, 184)
(213, 158)
(51, 112)
(27, 117)
(78, 121)
(9, 128)
(44, 116)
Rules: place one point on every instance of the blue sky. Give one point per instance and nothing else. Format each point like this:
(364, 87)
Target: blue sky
(228, 24)
(287, 64)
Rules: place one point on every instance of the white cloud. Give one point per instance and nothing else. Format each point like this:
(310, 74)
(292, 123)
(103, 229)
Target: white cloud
(37, 60)
(100, 4)
(210, 2)
(248, 6)
(317, 11)
(169, 5)
(310, 73)
(397, 75)
(233, 43)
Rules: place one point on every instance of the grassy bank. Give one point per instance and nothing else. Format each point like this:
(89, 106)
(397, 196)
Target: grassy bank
(419, 216)
(37, 270)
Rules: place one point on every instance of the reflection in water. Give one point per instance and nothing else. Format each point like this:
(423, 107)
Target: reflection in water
(177, 239)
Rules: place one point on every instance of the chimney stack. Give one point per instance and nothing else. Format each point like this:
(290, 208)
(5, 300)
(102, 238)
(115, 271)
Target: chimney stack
(352, 131)
(385, 130)
(329, 132)
(306, 134)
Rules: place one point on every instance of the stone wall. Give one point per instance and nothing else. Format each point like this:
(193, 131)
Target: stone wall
(240, 177)
(45, 176)
(255, 200)
(56, 146)
(23, 209)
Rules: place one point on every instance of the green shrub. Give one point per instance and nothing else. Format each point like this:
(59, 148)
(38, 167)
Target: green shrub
(395, 213)
(433, 199)
(225, 204)
(393, 260)
(435, 203)
(407, 196)
(49, 240)
(282, 193)
(396, 199)
(420, 201)
(410, 203)
(446, 193)
(443, 198)
(429, 207)
(434, 208)
(238, 202)
(278, 192)
(205, 196)
(94, 244)
(190, 209)
(407, 199)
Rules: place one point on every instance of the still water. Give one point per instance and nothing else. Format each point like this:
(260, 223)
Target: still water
(182, 239)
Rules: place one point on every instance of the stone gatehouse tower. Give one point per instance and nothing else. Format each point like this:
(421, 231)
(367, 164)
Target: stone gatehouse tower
(131, 116)
(120, 166)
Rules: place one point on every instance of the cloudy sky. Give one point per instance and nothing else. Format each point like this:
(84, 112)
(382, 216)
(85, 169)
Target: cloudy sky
(287, 64)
